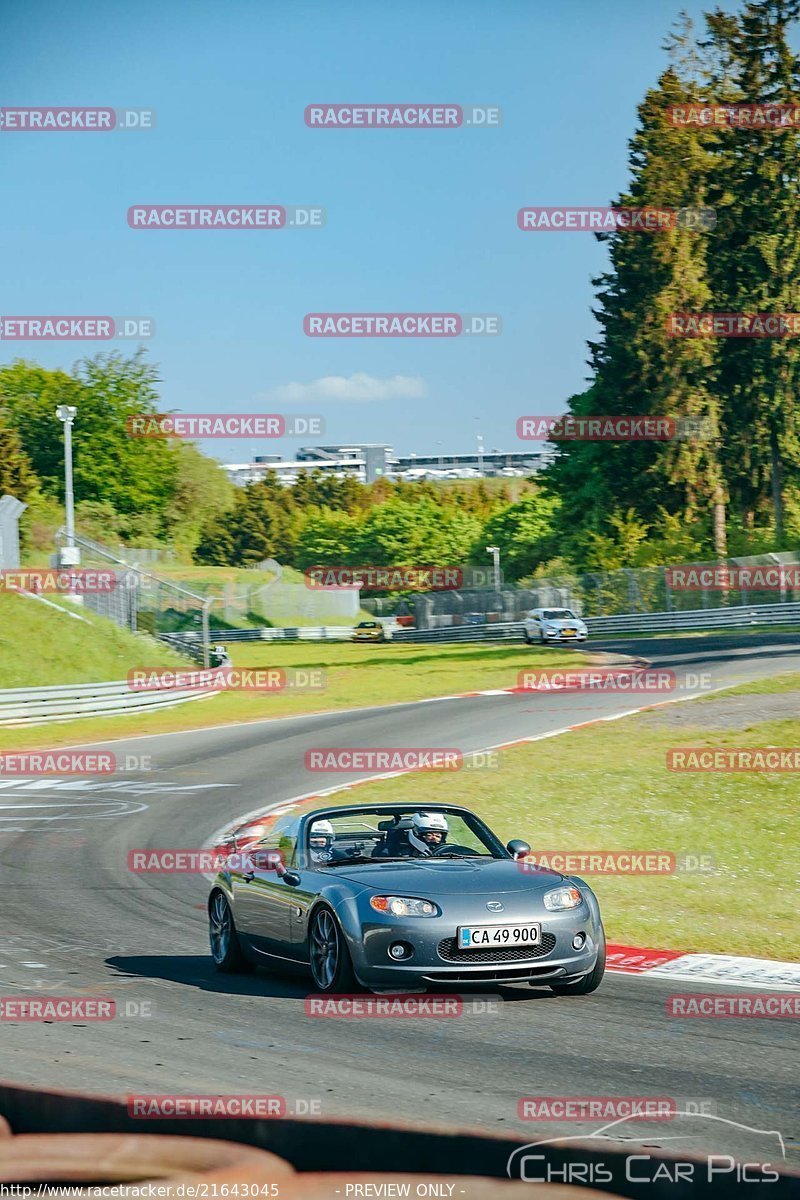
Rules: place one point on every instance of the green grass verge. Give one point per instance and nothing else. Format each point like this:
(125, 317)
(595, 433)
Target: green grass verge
(355, 676)
(40, 647)
(606, 787)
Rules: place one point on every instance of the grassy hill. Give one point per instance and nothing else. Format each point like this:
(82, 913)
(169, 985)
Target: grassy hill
(41, 646)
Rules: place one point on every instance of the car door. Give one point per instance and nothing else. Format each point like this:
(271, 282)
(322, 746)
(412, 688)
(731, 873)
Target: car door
(308, 880)
(262, 900)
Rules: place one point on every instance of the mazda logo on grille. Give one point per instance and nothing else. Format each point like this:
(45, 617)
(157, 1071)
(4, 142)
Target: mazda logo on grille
(494, 906)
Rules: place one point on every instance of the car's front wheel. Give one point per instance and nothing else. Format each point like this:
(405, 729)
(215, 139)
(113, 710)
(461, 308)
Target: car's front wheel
(589, 983)
(331, 965)
(223, 938)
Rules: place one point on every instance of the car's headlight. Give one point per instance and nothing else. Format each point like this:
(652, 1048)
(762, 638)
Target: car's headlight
(561, 898)
(404, 906)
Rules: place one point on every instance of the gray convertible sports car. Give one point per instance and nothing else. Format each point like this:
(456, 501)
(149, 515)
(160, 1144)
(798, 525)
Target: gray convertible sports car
(401, 897)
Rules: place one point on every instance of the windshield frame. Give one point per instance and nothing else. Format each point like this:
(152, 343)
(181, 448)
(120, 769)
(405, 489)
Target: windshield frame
(380, 812)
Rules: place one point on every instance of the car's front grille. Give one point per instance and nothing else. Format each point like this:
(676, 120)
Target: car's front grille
(449, 951)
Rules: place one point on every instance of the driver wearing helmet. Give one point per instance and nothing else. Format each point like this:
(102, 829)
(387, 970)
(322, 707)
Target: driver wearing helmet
(427, 833)
(320, 842)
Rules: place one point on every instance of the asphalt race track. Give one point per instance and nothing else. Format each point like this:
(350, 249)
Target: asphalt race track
(76, 921)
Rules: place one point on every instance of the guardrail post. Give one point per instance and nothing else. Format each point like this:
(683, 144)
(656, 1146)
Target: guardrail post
(206, 632)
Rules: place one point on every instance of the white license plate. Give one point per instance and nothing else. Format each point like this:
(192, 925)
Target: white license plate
(488, 937)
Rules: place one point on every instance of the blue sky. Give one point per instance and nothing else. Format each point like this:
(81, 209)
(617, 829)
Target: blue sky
(416, 221)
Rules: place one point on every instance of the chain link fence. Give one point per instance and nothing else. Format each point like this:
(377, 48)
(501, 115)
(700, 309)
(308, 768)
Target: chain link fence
(610, 593)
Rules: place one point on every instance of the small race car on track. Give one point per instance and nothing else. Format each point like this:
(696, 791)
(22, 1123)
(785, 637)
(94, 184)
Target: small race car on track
(370, 631)
(554, 625)
(401, 897)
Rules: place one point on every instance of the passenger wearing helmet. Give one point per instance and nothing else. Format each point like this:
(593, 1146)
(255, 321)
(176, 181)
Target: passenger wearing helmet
(427, 833)
(320, 842)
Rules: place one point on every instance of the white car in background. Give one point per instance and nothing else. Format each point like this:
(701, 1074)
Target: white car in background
(554, 625)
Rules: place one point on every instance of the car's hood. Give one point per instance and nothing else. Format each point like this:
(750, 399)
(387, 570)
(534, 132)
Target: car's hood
(448, 877)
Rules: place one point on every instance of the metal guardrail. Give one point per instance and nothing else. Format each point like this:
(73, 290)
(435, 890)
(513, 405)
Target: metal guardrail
(39, 706)
(302, 633)
(497, 631)
(738, 617)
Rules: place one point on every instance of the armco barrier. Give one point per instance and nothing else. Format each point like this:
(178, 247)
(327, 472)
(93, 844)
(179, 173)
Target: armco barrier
(39, 706)
(741, 617)
(301, 633)
(745, 616)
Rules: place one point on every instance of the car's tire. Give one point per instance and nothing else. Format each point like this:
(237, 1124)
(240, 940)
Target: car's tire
(528, 639)
(588, 983)
(542, 639)
(226, 951)
(329, 958)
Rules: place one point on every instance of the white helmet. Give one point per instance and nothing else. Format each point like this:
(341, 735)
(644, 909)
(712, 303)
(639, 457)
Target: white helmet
(320, 840)
(423, 826)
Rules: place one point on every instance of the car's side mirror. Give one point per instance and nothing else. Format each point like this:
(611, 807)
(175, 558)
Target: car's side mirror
(517, 848)
(290, 877)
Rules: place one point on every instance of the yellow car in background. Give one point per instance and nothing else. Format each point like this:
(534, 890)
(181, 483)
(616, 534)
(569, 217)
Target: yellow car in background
(371, 631)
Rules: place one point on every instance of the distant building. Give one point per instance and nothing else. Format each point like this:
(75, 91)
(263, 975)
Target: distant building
(288, 471)
(488, 462)
(376, 457)
(373, 460)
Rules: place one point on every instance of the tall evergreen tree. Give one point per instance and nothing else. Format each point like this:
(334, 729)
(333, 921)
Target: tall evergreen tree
(755, 259)
(639, 369)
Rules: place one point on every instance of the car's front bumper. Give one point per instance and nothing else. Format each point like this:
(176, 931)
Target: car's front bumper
(435, 960)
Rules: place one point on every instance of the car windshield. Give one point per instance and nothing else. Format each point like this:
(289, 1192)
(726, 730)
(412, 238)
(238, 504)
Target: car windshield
(558, 614)
(379, 836)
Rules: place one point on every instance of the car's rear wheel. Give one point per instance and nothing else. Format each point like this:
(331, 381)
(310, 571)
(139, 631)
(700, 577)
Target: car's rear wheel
(331, 965)
(223, 938)
(588, 983)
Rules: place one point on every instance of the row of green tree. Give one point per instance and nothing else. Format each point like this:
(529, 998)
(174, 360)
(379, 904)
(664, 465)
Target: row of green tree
(165, 492)
(737, 489)
(323, 521)
(141, 490)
